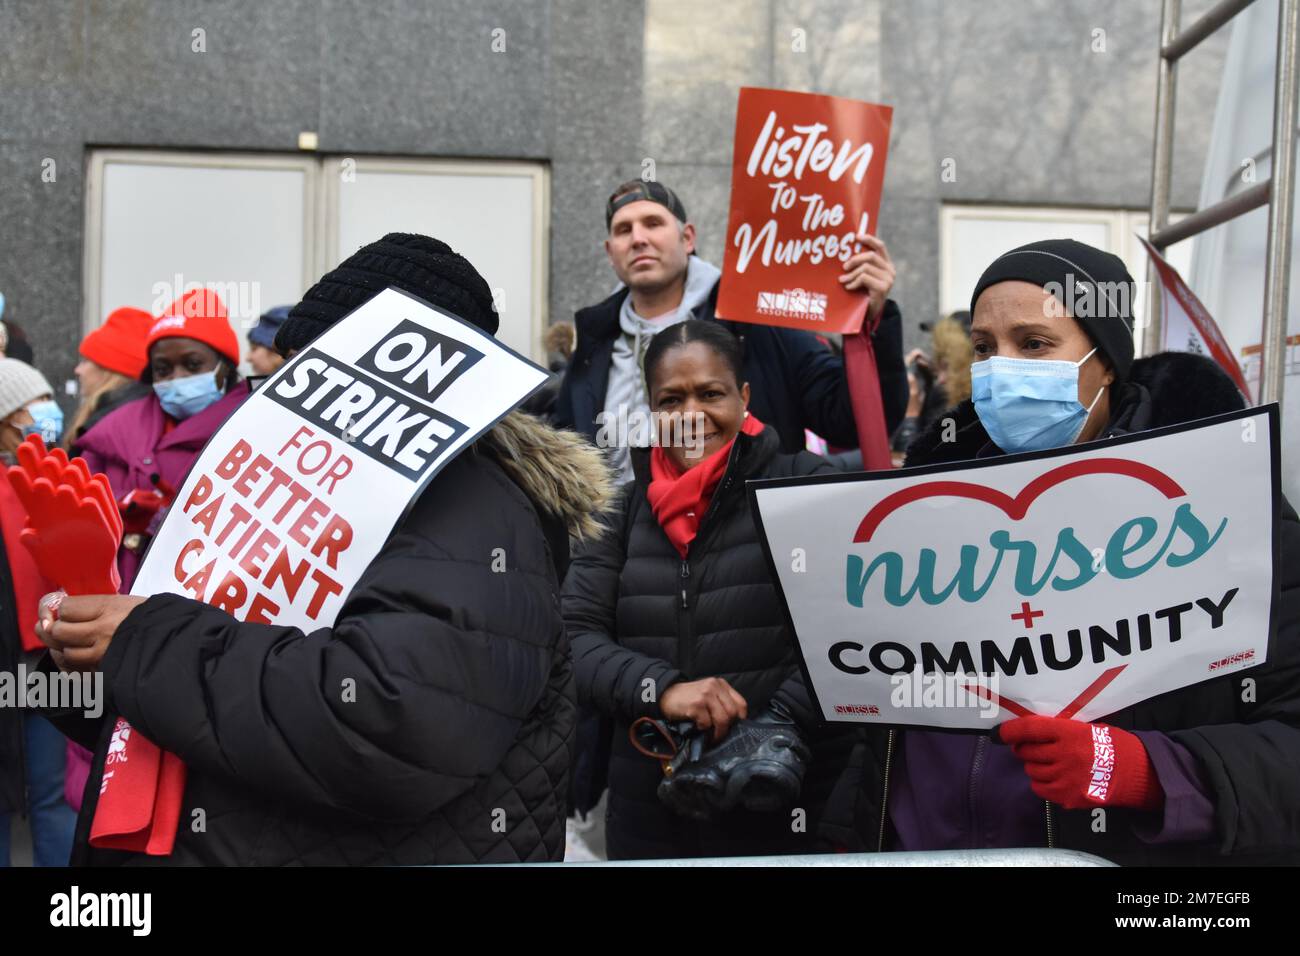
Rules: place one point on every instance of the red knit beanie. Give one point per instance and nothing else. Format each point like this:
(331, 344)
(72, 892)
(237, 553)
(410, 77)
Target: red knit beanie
(118, 344)
(200, 315)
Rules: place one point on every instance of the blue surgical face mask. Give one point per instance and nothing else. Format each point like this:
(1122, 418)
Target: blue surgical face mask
(47, 421)
(1029, 404)
(183, 397)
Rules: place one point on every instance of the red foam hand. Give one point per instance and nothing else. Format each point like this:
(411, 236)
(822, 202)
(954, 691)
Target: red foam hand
(73, 530)
(34, 489)
(77, 476)
(51, 464)
(31, 454)
(1080, 765)
(103, 495)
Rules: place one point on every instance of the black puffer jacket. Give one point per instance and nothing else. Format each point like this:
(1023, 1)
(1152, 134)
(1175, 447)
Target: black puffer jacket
(1248, 750)
(455, 746)
(637, 612)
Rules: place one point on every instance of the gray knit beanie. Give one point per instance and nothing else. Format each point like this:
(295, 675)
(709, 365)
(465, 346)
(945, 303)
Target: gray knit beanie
(20, 385)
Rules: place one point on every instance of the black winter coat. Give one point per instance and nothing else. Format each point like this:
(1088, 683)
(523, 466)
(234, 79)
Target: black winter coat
(795, 381)
(1248, 751)
(456, 744)
(637, 612)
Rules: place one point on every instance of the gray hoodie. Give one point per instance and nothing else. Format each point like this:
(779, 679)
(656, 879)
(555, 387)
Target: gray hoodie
(626, 400)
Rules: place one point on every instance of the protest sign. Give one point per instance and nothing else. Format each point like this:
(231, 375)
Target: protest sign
(806, 177)
(1073, 582)
(296, 493)
(1186, 325)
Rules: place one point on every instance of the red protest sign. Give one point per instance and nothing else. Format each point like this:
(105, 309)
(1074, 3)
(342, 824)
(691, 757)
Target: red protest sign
(806, 177)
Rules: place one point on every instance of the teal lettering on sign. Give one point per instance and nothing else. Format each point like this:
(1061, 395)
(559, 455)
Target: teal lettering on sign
(1070, 565)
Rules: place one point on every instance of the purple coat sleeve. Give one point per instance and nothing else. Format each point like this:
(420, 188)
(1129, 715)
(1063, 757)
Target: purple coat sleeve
(1188, 815)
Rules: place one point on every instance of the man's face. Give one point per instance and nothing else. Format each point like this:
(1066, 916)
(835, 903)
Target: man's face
(648, 247)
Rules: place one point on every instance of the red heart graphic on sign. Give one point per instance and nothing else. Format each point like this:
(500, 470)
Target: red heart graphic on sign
(1015, 508)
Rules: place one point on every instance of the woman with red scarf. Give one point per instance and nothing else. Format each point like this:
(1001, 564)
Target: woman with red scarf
(674, 615)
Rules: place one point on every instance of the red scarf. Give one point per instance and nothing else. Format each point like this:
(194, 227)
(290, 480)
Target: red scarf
(680, 499)
(140, 795)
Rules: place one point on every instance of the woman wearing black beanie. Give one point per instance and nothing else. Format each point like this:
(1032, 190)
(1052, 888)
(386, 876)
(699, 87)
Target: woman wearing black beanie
(1040, 309)
(1202, 774)
(454, 746)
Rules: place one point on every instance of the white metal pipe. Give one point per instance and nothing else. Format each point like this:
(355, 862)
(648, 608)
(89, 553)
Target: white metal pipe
(1277, 267)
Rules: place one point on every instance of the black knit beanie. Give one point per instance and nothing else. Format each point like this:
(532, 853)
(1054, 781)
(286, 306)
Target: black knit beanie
(1094, 286)
(416, 264)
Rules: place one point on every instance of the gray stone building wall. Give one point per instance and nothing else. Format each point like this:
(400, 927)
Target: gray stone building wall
(1010, 89)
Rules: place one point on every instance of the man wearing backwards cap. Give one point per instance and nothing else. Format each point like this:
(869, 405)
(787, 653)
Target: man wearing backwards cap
(1200, 775)
(795, 381)
(455, 746)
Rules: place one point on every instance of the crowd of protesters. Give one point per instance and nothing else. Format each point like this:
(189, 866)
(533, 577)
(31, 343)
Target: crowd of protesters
(637, 647)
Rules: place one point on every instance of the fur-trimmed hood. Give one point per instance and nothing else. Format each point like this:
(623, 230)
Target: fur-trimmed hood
(559, 470)
(1167, 388)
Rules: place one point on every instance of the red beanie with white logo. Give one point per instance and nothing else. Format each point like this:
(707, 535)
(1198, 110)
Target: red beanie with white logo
(200, 315)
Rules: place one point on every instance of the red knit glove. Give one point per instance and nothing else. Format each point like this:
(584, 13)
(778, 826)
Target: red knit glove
(1080, 765)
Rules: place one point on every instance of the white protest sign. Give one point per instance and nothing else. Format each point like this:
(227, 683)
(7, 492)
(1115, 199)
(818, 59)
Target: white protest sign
(296, 493)
(1064, 583)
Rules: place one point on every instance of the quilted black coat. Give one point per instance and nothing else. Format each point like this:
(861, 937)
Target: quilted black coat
(433, 722)
(637, 612)
(1247, 746)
